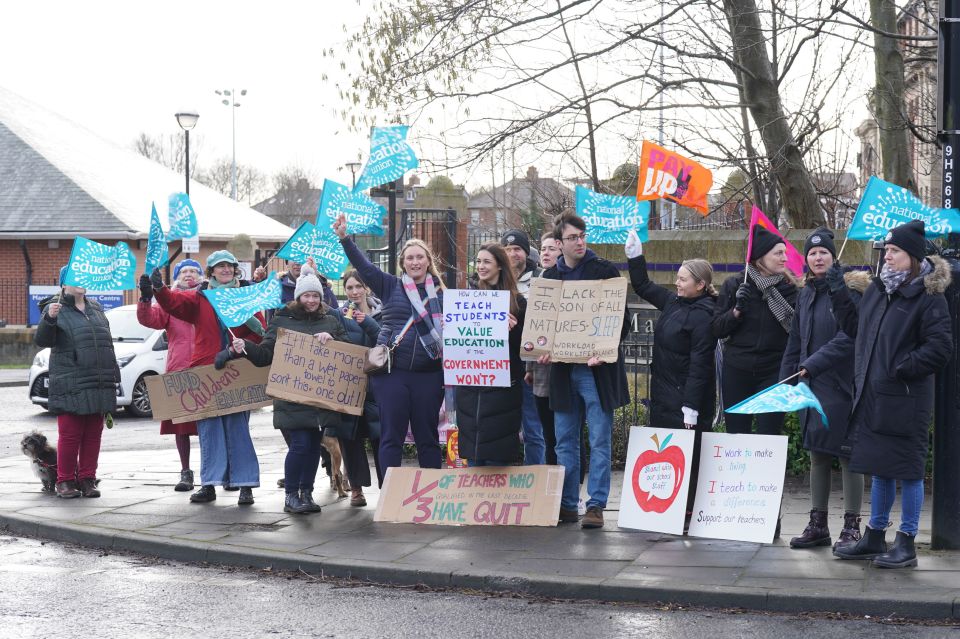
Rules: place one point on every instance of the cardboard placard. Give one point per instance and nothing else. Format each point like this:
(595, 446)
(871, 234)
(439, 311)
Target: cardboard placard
(739, 487)
(201, 392)
(476, 347)
(485, 496)
(656, 479)
(329, 376)
(574, 320)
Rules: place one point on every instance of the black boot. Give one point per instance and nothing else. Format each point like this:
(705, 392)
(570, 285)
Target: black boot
(851, 531)
(205, 494)
(815, 534)
(246, 496)
(293, 504)
(903, 554)
(306, 497)
(870, 545)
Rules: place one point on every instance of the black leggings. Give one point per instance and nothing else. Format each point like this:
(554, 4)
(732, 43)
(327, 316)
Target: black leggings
(737, 385)
(355, 456)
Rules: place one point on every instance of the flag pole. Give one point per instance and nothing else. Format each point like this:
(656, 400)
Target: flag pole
(243, 350)
(787, 379)
(844, 245)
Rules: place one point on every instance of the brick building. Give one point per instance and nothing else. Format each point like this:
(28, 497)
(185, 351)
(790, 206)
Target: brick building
(59, 180)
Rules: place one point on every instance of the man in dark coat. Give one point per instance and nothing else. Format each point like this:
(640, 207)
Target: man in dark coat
(595, 388)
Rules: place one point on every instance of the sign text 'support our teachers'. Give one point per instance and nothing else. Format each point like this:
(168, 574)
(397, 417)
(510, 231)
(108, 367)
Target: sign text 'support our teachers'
(476, 350)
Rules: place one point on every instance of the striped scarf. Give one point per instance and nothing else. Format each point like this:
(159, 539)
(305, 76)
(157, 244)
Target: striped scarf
(779, 306)
(426, 322)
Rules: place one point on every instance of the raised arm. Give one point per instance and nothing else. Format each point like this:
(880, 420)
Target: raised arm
(657, 295)
(378, 281)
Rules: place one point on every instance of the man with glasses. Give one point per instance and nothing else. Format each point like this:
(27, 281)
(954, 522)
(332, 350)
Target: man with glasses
(594, 389)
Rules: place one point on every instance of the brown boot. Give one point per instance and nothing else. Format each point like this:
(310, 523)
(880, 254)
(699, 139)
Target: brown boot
(815, 534)
(851, 530)
(67, 489)
(357, 499)
(88, 487)
(593, 518)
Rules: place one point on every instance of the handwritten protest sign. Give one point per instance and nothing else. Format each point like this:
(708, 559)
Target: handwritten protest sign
(98, 267)
(575, 320)
(390, 157)
(182, 217)
(668, 175)
(234, 306)
(487, 496)
(739, 487)
(308, 372)
(157, 253)
(476, 349)
(320, 244)
(656, 479)
(885, 206)
(363, 214)
(610, 218)
(203, 391)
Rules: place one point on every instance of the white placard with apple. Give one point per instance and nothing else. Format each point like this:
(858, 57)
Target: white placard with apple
(740, 486)
(656, 479)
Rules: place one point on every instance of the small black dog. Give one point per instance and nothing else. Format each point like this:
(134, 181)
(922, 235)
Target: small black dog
(43, 459)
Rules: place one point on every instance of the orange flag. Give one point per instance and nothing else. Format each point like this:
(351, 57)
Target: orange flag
(665, 174)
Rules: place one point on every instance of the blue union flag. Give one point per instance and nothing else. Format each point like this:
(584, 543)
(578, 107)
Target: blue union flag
(780, 398)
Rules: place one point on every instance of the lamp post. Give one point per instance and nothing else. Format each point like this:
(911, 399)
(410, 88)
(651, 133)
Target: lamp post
(353, 166)
(229, 100)
(187, 120)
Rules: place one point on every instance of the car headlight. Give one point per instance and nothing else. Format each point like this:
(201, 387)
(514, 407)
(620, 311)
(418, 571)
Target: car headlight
(126, 359)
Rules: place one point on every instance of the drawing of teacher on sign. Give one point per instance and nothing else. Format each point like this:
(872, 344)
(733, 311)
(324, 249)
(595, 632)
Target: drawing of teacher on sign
(481, 350)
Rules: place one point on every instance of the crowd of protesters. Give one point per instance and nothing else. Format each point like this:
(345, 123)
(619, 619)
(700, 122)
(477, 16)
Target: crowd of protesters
(867, 347)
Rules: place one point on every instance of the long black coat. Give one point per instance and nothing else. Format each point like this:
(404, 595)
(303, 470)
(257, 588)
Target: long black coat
(817, 344)
(683, 369)
(902, 340)
(755, 340)
(290, 415)
(611, 379)
(83, 365)
(488, 419)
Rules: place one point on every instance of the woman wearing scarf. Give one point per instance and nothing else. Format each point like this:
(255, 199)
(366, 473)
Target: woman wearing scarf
(903, 337)
(823, 355)
(187, 276)
(412, 310)
(753, 315)
(227, 456)
(489, 418)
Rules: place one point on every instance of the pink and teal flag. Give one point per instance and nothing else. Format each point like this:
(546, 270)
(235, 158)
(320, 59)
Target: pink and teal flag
(795, 261)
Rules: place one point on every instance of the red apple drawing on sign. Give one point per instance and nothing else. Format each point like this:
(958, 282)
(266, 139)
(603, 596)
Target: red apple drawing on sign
(662, 454)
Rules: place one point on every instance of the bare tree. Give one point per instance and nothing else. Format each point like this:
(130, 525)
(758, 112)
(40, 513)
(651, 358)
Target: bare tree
(167, 150)
(251, 182)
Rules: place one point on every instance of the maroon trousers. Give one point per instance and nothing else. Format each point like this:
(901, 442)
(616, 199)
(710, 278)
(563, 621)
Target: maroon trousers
(78, 446)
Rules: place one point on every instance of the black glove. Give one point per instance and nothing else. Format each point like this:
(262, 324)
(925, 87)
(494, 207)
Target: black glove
(834, 277)
(146, 288)
(222, 358)
(744, 293)
(156, 279)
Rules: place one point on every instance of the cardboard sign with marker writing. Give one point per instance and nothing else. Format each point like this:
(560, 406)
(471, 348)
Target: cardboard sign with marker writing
(487, 496)
(202, 392)
(330, 376)
(575, 320)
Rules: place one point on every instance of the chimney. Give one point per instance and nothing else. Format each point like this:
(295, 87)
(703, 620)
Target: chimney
(532, 174)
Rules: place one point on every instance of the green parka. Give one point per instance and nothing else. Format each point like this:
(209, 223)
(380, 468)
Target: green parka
(288, 415)
(83, 366)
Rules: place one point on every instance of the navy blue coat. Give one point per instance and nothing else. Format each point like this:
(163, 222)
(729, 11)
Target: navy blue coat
(818, 344)
(364, 334)
(410, 354)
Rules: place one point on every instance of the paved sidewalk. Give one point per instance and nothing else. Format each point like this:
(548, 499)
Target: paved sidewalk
(14, 376)
(140, 512)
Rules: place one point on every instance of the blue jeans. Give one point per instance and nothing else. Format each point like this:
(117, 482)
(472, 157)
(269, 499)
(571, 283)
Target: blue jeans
(227, 456)
(599, 428)
(302, 461)
(534, 448)
(883, 492)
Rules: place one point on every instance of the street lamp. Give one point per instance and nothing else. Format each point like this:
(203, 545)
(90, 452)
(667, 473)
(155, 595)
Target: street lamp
(228, 100)
(187, 120)
(353, 166)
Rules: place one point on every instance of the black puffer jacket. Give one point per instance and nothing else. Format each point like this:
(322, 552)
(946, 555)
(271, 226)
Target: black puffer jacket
(755, 340)
(683, 352)
(83, 366)
(818, 345)
(902, 340)
(489, 418)
(289, 415)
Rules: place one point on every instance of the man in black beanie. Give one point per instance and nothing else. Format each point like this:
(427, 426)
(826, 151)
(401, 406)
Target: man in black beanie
(823, 238)
(910, 238)
(763, 242)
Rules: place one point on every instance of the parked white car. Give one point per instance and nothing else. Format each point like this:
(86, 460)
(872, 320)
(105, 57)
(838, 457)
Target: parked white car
(141, 352)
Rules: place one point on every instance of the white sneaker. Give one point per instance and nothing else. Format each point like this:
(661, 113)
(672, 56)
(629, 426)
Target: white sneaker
(581, 508)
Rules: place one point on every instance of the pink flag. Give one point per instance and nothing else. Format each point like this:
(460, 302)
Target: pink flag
(795, 260)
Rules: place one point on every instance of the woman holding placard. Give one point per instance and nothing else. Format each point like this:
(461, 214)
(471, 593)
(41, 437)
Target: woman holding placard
(823, 355)
(682, 385)
(410, 326)
(903, 337)
(488, 418)
(360, 314)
